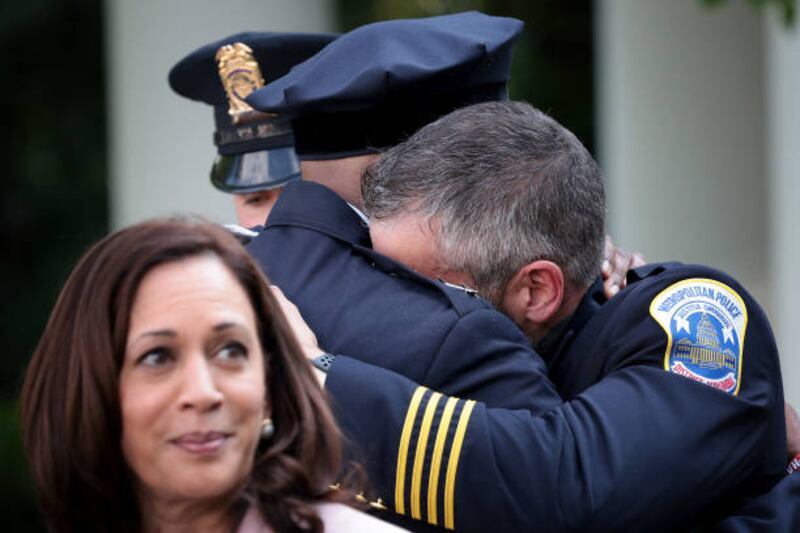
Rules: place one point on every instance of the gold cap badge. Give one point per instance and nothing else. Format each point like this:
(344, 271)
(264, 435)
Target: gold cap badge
(240, 75)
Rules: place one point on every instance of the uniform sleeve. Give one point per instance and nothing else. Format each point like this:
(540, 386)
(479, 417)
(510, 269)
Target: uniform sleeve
(628, 453)
(642, 449)
(776, 511)
(485, 357)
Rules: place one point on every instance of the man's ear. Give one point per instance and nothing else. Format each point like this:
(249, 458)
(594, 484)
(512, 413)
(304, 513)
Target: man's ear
(533, 297)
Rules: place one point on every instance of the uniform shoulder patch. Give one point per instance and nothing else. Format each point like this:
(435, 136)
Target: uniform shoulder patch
(705, 323)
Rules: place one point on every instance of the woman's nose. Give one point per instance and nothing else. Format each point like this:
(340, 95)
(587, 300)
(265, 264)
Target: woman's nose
(199, 388)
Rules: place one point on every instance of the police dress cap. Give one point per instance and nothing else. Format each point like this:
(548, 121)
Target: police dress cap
(256, 150)
(376, 85)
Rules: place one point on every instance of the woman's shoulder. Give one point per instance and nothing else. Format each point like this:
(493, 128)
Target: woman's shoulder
(338, 517)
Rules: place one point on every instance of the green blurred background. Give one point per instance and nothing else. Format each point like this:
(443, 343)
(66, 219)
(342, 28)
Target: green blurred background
(53, 148)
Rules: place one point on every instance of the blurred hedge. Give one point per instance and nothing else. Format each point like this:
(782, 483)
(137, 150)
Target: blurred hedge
(53, 201)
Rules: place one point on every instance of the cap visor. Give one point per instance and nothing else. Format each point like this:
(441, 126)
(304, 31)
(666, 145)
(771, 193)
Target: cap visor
(255, 171)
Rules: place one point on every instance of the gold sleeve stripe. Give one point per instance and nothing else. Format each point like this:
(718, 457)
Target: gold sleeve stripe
(452, 465)
(419, 456)
(402, 452)
(436, 459)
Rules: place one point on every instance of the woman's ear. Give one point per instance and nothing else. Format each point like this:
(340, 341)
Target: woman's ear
(533, 297)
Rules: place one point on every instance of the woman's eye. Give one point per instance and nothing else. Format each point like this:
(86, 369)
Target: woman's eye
(232, 351)
(155, 358)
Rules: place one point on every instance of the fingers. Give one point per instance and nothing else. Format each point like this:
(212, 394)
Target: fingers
(608, 254)
(616, 264)
(302, 332)
(612, 285)
(282, 299)
(288, 309)
(792, 430)
(614, 267)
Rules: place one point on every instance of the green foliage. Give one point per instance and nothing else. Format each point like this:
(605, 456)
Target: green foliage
(16, 494)
(52, 147)
(53, 201)
(786, 8)
(553, 60)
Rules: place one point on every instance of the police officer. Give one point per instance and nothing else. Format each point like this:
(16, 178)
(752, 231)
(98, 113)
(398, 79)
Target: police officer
(316, 247)
(674, 411)
(368, 90)
(255, 150)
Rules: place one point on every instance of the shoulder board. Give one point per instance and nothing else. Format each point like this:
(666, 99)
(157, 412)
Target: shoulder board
(240, 232)
(462, 287)
(649, 270)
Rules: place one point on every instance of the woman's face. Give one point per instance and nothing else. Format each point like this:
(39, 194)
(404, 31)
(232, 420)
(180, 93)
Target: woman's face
(192, 386)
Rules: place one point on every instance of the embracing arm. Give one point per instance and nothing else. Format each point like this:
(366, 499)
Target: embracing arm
(483, 356)
(602, 460)
(642, 448)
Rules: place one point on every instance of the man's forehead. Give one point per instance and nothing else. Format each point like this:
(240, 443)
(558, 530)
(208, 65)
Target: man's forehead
(411, 239)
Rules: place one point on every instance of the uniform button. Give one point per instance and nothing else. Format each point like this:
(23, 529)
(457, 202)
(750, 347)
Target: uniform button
(378, 504)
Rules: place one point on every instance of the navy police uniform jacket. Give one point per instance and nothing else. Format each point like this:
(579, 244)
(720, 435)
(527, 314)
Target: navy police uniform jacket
(776, 511)
(316, 249)
(674, 414)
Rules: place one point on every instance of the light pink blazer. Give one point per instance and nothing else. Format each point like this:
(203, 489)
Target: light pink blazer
(336, 517)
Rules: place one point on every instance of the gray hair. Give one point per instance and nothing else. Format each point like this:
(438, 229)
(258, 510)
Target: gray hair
(506, 184)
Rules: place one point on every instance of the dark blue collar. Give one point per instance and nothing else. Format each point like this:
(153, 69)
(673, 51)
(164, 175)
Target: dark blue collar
(316, 207)
(560, 337)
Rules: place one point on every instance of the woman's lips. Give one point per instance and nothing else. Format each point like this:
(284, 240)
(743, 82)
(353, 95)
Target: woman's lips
(201, 443)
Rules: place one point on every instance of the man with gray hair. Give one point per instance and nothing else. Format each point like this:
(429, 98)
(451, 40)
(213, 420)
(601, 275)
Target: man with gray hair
(664, 426)
(496, 197)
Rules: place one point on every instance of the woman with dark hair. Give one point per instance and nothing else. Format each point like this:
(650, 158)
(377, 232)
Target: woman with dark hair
(168, 393)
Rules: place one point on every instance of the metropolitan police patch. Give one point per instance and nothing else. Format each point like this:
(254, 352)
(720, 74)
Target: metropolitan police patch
(705, 322)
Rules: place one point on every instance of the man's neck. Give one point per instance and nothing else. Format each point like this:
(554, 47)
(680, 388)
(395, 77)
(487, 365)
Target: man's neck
(342, 176)
(549, 339)
(572, 298)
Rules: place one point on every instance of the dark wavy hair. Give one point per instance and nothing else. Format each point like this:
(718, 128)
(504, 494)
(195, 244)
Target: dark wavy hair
(70, 406)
